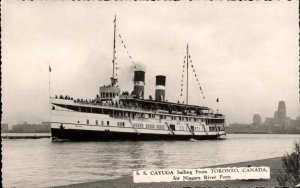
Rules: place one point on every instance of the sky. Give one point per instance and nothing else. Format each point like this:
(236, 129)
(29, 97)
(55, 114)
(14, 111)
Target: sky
(244, 53)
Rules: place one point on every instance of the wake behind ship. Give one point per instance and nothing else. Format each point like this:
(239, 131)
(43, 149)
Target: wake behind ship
(116, 115)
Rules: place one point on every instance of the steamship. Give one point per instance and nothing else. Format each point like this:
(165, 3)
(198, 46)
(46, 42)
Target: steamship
(116, 115)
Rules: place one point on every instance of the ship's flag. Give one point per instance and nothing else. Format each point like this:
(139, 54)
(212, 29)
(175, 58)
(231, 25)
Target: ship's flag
(217, 99)
(49, 68)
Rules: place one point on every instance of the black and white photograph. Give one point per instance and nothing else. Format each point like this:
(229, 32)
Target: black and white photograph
(150, 93)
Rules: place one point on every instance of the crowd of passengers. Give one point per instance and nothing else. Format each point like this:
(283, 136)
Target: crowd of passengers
(88, 101)
(115, 104)
(67, 97)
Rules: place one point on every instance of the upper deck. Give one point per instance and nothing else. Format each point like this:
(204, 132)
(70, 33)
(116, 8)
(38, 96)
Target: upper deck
(138, 106)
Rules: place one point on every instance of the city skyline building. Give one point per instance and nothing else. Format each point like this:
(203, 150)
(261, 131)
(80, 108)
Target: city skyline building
(256, 119)
(281, 113)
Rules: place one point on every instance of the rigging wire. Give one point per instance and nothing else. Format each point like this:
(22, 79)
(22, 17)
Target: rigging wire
(196, 78)
(182, 79)
(126, 50)
(128, 54)
(195, 75)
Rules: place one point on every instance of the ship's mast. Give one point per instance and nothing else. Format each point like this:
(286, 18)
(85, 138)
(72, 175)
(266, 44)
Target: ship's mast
(113, 79)
(187, 73)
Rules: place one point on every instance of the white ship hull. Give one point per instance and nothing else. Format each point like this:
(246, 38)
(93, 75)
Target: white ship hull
(72, 125)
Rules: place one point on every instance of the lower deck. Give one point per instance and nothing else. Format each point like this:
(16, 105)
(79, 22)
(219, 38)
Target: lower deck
(89, 126)
(107, 135)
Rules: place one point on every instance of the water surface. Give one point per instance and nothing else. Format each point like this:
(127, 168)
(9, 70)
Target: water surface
(42, 163)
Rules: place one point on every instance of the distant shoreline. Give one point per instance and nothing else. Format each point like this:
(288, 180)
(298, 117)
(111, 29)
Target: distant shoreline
(127, 181)
(25, 135)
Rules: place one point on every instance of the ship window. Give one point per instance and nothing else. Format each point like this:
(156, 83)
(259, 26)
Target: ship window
(179, 118)
(107, 123)
(172, 127)
(87, 121)
(102, 123)
(96, 122)
(121, 124)
(195, 119)
(105, 111)
(78, 122)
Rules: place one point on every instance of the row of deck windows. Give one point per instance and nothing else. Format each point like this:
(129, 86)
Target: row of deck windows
(96, 122)
(108, 95)
(216, 128)
(121, 124)
(152, 126)
(162, 127)
(118, 113)
(138, 125)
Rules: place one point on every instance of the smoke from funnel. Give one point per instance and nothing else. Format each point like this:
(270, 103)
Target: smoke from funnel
(137, 66)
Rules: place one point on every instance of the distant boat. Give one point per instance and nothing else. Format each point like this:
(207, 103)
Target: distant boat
(113, 115)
